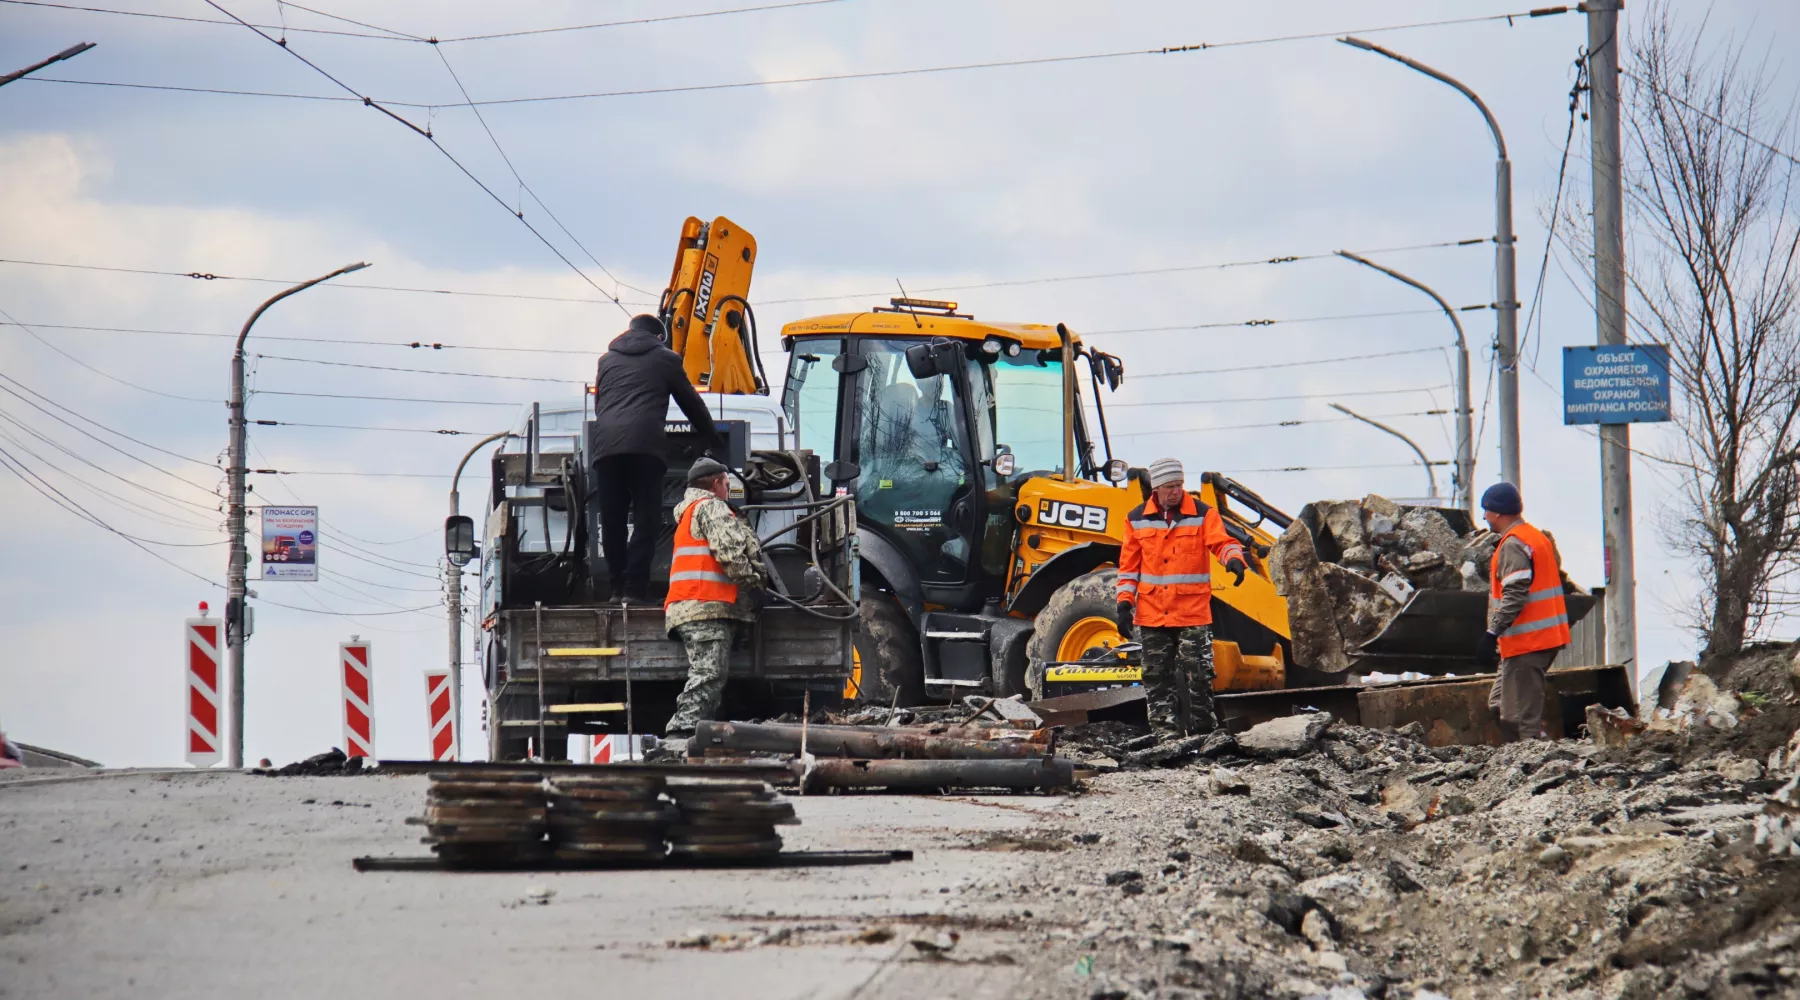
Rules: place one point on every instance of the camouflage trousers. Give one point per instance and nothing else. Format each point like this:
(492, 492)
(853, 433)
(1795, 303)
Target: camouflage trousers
(1178, 680)
(708, 644)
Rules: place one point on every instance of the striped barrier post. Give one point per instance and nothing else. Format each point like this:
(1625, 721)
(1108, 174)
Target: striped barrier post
(203, 736)
(359, 684)
(440, 720)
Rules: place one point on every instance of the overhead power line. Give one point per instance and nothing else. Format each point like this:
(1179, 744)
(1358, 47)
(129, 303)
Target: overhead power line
(419, 371)
(208, 276)
(426, 134)
(1191, 47)
(380, 34)
(414, 344)
(1335, 468)
(103, 374)
(1231, 324)
(1709, 116)
(1296, 422)
(1272, 399)
(1177, 269)
(385, 399)
(1291, 364)
(360, 427)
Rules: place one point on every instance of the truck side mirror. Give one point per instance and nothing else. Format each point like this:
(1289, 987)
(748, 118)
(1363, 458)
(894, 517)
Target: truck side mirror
(459, 539)
(931, 358)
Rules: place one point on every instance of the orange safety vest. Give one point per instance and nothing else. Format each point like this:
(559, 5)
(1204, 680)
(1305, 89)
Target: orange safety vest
(1544, 621)
(694, 575)
(1165, 566)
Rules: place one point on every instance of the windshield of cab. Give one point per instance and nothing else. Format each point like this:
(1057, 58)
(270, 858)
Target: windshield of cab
(1018, 400)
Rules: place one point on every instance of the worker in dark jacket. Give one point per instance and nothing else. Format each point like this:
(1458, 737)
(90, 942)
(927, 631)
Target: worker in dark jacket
(1528, 622)
(636, 378)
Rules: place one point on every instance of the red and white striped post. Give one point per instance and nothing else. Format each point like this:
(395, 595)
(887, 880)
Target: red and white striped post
(203, 736)
(359, 685)
(440, 719)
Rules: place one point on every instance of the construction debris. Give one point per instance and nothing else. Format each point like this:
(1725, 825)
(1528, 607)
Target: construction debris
(1348, 567)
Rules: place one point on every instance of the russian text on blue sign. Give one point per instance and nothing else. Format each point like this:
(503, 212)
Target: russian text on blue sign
(1621, 384)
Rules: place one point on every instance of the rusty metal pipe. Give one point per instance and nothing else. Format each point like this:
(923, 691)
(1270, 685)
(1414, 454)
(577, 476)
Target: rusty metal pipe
(855, 741)
(929, 775)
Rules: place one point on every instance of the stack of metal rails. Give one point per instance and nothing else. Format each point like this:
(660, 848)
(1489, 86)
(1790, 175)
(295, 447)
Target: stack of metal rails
(609, 817)
(727, 820)
(485, 820)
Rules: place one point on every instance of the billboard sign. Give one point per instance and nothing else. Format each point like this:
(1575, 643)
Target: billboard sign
(1617, 384)
(290, 543)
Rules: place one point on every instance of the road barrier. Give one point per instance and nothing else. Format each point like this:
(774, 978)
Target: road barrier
(440, 721)
(359, 686)
(203, 736)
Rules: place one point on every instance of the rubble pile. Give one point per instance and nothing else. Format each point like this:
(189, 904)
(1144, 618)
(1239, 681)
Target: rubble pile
(1347, 567)
(1309, 858)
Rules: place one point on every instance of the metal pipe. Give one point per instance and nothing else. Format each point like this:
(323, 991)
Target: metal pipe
(930, 775)
(1430, 476)
(1465, 439)
(861, 742)
(453, 588)
(1506, 340)
(237, 568)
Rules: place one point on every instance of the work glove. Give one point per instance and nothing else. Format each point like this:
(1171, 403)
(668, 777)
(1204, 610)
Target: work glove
(1124, 616)
(1488, 656)
(1235, 566)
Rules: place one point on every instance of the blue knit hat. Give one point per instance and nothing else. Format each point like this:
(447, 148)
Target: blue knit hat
(1502, 498)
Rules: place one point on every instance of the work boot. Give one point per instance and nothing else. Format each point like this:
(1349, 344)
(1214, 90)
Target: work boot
(1509, 732)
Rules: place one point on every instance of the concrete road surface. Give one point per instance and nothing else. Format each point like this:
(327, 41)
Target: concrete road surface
(201, 885)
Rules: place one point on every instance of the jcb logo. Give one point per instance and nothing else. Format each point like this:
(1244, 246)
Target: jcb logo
(703, 298)
(1063, 514)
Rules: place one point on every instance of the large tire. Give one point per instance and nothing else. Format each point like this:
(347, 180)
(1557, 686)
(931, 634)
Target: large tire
(888, 659)
(1077, 621)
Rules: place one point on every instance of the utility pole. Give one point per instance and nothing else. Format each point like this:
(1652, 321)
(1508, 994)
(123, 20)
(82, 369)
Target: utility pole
(453, 585)
(1430, 475)
(68, 53)
(1465, 437)
(1609, 313)
(237, 572)
(1506, 276)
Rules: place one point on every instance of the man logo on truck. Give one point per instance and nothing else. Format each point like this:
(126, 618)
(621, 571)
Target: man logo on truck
(1064, 514)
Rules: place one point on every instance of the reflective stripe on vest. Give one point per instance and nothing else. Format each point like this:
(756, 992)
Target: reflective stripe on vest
(694, 574)
(1543, 622)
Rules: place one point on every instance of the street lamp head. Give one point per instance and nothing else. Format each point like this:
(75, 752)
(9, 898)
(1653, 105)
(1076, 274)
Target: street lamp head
(359, 265)
(1355, 42)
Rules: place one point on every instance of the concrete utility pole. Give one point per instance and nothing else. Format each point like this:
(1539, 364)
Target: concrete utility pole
(237, 573)
(1465, 435)
(453, 585)
(1609, 314)
(1506, 276)
(1430, 475)
(68, 53)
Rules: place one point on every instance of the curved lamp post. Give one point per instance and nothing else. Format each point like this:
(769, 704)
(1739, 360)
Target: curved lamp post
(236, 575)
(1430, 476)
(1465, 441)
(1505, 267)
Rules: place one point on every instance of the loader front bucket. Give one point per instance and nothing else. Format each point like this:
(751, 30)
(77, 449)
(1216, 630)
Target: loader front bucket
(1439, 632)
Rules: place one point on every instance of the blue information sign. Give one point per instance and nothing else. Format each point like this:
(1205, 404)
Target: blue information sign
(1623, 384)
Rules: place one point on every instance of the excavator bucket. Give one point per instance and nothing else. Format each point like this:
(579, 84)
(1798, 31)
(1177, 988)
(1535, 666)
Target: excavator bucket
(707, 311)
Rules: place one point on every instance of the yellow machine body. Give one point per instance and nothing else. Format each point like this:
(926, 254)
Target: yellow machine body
(706, 306)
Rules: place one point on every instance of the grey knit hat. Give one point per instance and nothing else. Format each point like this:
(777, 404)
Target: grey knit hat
(1164, 471)
(704, 469)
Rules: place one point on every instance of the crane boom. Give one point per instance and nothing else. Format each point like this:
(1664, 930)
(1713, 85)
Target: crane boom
(706, 308)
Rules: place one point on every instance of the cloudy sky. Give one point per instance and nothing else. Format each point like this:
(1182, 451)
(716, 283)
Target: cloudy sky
(1022, 181)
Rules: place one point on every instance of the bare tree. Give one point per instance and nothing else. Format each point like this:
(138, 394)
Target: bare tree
(1716, 276)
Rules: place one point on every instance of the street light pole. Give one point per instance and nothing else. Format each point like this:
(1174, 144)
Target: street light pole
(1506, 275)
(1465, 439)
(1430, 476)
(68, 53)
(453, 581)
(237, 573)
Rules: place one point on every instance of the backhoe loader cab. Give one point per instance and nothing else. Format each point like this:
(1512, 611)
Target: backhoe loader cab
(991, 514)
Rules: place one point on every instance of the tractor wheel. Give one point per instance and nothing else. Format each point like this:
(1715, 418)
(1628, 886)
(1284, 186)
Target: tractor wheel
(887, 656)
(1075, 624)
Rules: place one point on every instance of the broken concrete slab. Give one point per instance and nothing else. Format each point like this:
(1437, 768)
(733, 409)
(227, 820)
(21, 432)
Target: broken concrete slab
(1290, 736)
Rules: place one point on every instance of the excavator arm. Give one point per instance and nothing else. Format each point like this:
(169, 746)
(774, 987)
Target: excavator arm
(706, 308)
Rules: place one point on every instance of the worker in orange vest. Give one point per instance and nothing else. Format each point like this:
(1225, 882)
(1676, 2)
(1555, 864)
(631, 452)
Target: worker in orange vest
(1165, 591)
(1528, 623)
(714, 576)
